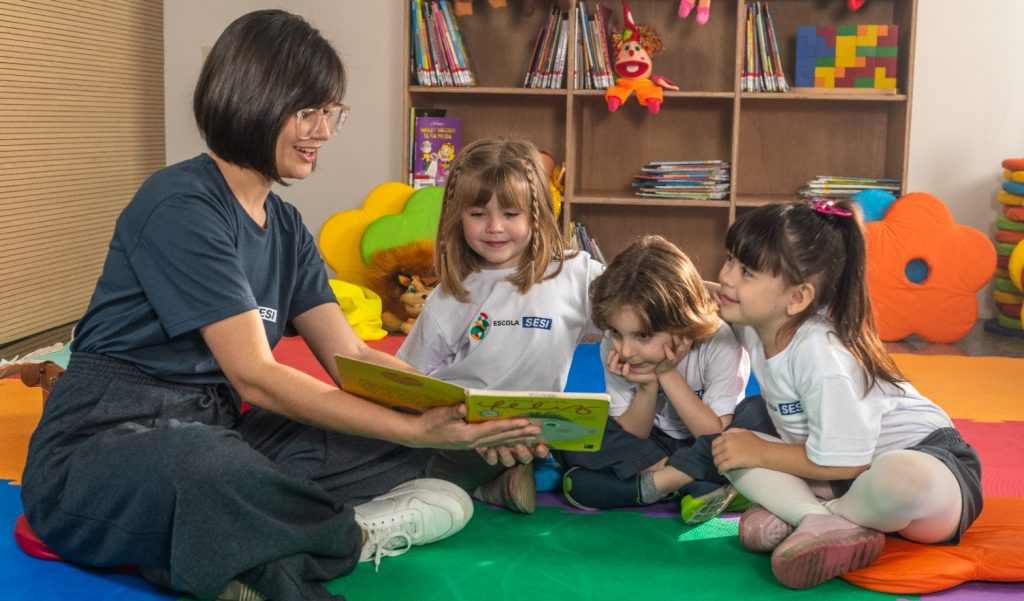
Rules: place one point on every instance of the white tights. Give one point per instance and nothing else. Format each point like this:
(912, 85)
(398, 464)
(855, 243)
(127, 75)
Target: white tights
(903, 491)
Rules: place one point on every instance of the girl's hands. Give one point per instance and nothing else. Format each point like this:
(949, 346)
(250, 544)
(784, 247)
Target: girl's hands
(674, 353)
(737, 448)
(446, 428)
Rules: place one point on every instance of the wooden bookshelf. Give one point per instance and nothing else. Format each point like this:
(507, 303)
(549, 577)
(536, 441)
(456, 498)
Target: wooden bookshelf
(775, 141)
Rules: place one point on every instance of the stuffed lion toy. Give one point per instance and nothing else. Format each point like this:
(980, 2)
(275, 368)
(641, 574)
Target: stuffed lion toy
(403, 276)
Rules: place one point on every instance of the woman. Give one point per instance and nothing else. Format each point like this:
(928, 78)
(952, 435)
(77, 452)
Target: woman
(142, 456)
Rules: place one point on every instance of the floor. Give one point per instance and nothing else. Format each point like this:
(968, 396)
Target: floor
(977, 342)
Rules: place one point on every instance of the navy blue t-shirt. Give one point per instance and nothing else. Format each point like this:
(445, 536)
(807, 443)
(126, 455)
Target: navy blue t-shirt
(185, 254)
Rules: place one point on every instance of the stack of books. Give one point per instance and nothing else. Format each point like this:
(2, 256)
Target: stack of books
(547, 65)
(593, 58)
(579, 239)
(691, 180)
(439, 53)
(762, 65)
(833, 187)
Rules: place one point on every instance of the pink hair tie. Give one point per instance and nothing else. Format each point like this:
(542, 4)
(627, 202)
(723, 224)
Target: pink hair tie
(828, 207)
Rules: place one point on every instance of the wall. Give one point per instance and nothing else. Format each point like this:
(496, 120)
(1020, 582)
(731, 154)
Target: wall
(367, 35)
(966, 115)
(967, 112)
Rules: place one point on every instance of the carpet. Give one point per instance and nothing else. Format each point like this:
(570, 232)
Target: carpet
(560, 552)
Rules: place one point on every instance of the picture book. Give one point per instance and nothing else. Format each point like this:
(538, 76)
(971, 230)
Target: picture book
(436, 140)
(569, 421)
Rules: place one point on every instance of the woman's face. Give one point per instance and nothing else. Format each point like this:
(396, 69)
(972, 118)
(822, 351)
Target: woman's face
(299, 142)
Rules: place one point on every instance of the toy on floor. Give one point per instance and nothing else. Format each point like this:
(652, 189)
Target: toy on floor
(634, 47)
(703, 10)
(924, 270)
(1008, 294)
(403, 276)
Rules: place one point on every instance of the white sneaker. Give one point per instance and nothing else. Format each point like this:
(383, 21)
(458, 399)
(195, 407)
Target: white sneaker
(236, 591)
(415, 513)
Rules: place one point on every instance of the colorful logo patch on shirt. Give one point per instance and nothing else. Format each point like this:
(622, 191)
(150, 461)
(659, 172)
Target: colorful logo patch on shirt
(481, 326)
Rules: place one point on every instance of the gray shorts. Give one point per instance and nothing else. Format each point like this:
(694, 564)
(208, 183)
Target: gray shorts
(949, 447)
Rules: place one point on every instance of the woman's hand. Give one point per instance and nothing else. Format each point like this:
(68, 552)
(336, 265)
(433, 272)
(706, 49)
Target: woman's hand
(509, 455)
(447, 428)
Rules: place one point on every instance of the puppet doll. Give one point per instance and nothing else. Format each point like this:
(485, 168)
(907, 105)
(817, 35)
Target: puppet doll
(634, 47)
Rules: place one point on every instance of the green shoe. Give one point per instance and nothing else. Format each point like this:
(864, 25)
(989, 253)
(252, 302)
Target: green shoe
(697, 510)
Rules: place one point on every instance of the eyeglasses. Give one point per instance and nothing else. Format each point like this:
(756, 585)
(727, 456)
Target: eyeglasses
(307, 121)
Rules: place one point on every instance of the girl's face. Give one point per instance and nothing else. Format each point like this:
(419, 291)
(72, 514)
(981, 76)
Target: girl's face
(641, 350)
(499, 236)
(753, 298)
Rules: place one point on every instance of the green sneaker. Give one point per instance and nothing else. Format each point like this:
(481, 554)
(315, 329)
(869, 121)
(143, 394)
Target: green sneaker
(697, 510)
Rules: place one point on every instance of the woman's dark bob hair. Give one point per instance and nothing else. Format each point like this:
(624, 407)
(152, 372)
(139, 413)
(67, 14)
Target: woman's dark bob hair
(265, 67)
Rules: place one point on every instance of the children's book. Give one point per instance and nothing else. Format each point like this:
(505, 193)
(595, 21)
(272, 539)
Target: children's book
(569, 421)
(436, 140)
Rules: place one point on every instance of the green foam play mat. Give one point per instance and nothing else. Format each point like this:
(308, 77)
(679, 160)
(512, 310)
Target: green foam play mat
(607, 555)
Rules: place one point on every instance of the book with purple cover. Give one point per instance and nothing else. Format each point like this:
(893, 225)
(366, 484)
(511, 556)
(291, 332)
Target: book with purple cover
(436, 140)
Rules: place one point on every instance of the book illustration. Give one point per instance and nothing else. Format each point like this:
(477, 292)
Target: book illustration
(436, 140)
(568, 421)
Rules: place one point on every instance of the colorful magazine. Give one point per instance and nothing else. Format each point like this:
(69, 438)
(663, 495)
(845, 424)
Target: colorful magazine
(436, 140)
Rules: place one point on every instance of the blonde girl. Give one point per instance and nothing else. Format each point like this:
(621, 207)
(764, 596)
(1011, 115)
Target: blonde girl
(860, 452)
(511, 304)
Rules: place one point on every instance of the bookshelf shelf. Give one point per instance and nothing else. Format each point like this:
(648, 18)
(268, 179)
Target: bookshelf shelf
(774, 141)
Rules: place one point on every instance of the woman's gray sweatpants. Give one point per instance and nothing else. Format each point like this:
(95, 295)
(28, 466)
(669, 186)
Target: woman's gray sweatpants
(125, 469)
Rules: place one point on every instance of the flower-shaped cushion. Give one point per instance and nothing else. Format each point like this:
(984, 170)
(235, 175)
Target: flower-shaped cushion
(924, 270)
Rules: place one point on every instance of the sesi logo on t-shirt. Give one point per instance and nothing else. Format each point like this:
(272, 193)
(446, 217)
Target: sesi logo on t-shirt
(268, 314)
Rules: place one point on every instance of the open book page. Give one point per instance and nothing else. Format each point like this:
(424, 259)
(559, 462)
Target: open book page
(396, 388)
(569, 421)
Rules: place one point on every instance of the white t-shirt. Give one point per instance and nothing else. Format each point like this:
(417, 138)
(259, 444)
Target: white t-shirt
(716, 369)
(814, 390)
(501, 339)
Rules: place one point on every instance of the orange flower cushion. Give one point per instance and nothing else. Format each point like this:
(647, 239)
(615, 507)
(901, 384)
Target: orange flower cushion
(990, 550)
(918, 237)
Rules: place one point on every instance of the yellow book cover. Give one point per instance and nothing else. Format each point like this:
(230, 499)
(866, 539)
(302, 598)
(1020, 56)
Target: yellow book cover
(569, 421)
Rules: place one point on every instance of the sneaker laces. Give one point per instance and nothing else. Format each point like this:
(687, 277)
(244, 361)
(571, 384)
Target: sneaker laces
(390, 537)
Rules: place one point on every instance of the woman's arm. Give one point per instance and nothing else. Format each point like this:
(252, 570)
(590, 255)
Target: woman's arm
(240, 346)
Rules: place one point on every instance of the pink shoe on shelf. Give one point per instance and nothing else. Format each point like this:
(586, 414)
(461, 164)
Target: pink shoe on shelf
(703, 14)
(761, 530)
(685, 6)
(653, 106)
(823, 547)
(613, 104)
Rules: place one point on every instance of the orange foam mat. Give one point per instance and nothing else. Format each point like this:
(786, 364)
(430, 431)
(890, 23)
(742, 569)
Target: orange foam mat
(20, 409)
(990, 550)
(983, 389)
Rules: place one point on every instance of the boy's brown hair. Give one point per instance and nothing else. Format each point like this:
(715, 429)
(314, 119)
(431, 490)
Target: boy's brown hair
(511, 170)
(660, 283)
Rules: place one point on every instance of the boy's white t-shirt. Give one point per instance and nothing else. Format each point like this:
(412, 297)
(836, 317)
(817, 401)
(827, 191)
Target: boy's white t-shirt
(716, 369)
(501, 339)
(814, 390)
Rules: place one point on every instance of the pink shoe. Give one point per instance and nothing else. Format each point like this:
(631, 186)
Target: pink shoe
(685, 6)
(613, 104)
(761, 530)
(823, 547)
(703, 14)
(653, 106)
